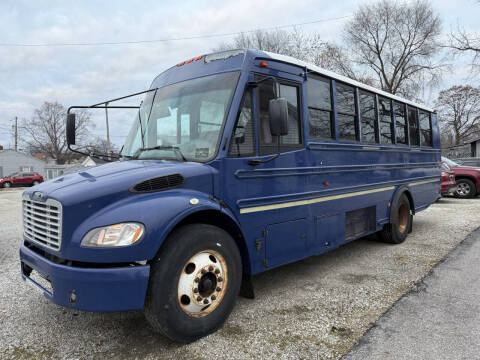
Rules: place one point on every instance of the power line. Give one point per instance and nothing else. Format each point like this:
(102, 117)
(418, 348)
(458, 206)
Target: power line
(173, 39)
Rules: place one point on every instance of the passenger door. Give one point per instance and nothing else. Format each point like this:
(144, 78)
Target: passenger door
(255, 191)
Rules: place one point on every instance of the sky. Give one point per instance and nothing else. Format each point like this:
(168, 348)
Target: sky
(84, 75)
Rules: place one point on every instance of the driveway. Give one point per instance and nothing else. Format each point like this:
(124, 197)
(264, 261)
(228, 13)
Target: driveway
(316, 308)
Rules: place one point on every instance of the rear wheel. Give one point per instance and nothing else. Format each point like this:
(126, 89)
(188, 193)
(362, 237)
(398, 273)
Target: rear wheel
(465, 188)
(194, 282)
(396, 231)
(7, 184)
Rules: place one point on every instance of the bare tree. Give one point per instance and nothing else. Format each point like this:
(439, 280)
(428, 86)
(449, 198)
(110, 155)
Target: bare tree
(298, 44)
(463, 42)
(459, 113)
(45, 131)
(398, 42)
(101, 146)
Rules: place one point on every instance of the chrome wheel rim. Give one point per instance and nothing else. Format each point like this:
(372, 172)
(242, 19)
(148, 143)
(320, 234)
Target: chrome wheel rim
(463, 189)
(202, 283)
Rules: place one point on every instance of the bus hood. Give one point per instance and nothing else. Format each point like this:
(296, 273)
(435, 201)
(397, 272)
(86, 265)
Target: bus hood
(117, 178)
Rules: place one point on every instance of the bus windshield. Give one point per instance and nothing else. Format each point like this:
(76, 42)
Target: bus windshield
(182, 121)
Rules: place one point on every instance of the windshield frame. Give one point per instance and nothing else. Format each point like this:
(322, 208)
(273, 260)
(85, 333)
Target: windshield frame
(221, 130)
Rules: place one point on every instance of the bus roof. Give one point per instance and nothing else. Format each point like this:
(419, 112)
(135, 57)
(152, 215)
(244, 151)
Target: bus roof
(330, 74)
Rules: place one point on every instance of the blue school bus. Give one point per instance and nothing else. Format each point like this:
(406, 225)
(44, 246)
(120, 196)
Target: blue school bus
(236, 162)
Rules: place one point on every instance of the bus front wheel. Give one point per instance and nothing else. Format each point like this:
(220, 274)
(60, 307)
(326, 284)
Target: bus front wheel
(397, 230)
(194, 282)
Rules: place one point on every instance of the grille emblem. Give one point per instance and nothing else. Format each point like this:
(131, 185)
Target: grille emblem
(37, 195)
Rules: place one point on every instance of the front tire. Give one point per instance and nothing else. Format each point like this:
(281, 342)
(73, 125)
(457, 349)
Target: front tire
(465, 189)
(36, 182)
(396, 231)
(194, 282)
(6, 185)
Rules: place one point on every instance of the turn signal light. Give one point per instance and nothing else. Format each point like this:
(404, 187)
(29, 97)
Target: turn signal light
(263, 64)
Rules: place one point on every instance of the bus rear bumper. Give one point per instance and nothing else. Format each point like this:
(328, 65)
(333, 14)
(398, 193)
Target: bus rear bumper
(88, 289)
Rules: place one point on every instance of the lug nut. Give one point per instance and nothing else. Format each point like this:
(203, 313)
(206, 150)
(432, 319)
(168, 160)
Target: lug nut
(213, 297)
(218, 289)
(217, 271)
(195, 290)
(204, 271)
(197, 280)
(205, 301)
(220, 279)
(199, 298)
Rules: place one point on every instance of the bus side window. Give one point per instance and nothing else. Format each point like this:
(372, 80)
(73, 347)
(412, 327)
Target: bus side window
(401, 123)
(346, 113)
(425, 129)
(367, 113)
(413, 125)
(320, 108)
(385, 119)
(267, 142)
(242, 142)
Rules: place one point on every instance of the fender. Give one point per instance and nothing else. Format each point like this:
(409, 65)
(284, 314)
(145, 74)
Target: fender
(159, 212)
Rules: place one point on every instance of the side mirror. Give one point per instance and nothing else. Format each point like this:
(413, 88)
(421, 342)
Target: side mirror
(278, 113)
(70, 129)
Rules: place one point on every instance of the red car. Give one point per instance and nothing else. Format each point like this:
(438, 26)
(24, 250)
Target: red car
(466, 177)
(21, 179)
(448, 180)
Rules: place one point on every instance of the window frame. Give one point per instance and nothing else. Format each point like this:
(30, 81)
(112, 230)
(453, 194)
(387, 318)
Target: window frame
(318, 77)
(420, 129)
(355, 115)
(247, 90)
(375, 116)
(269, 149)
(391, 122)
(416, 123)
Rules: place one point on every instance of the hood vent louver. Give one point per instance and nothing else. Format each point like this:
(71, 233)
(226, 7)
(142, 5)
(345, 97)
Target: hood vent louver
(158, 183)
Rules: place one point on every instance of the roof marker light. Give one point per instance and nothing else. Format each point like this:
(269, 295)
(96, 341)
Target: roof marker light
(263, 64)
(180, 64)
(189, 61)
(198, 57)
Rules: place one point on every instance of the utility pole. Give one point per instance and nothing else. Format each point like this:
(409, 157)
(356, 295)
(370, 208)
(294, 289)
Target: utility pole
(16, 133)
(108, 130)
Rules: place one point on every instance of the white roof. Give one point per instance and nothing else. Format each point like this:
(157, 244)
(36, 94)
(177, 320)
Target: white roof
(319, 70)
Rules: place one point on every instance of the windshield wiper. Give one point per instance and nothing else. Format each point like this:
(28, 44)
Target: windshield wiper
(176, 149)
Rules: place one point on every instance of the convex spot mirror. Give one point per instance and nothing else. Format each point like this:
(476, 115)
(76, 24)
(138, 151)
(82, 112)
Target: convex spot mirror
(278, 113)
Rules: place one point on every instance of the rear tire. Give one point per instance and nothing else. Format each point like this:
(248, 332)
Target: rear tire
(7, 185)
(199, 265)
(465, 189)
(396, 231)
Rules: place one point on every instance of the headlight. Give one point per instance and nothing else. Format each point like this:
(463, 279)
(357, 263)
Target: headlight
(122, 234)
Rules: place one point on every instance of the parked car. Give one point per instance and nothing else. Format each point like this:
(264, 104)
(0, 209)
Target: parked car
(466, 177)
(21, 179)
(448, 185)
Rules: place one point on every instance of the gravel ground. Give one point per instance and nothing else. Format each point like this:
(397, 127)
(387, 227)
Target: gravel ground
(316, 308)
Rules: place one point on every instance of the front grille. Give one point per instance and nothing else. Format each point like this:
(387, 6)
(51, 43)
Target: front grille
(42, 222)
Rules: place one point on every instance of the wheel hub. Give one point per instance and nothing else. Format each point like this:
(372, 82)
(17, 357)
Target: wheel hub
(202, 283)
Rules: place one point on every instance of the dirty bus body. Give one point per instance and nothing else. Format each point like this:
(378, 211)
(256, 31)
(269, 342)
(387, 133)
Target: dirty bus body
(245, 161)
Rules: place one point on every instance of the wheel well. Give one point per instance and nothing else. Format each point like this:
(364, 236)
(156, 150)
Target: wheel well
(217, 218)
(465, 177)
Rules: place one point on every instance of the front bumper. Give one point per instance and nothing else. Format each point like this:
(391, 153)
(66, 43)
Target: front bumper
(449, 189)
(95, 289)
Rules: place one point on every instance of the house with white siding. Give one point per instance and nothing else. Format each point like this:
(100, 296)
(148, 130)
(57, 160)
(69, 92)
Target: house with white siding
(12, 161)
